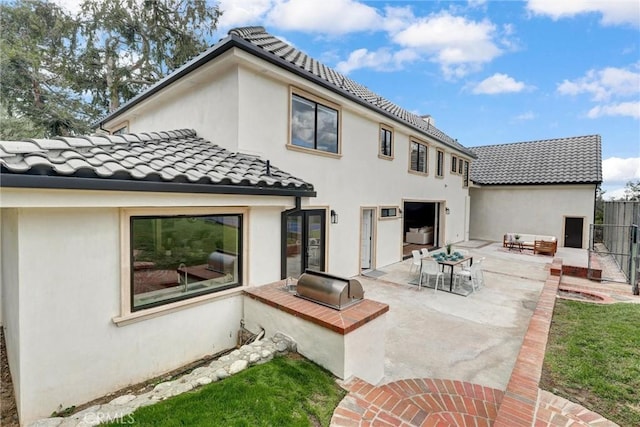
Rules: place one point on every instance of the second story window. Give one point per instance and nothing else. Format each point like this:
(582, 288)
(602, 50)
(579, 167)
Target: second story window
(440, 163)
(314, 125)
(386, 142)
(466, 174)
(460, 166)
(418, 157)
(454, 164)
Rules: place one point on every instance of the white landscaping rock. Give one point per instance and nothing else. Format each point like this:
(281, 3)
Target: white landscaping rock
(120, 408)
(162, 386)
(204, 381)
(47, 422)
(122, 399)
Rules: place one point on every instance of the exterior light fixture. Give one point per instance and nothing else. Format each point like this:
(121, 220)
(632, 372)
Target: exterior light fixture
(447, 211)
(334, 217)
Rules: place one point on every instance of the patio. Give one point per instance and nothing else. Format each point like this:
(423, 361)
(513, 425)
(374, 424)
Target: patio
(442, 335)
(476, 360)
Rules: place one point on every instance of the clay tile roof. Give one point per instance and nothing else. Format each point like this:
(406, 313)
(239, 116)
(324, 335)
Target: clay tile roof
(259, 37)
(553, 161)
(257, 41)
(166, 157)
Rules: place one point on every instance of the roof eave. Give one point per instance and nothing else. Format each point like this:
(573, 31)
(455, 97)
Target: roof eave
(483, 184)
(236, 41)
(75, 183)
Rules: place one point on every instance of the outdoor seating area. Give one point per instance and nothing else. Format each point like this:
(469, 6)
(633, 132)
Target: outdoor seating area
(454, 272)
(536, 243)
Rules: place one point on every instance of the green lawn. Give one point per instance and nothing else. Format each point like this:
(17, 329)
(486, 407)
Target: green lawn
(593, 358)
(287, 391)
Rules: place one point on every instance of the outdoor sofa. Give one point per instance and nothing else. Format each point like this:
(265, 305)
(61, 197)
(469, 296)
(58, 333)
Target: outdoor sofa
(420, 236)
(537, 243)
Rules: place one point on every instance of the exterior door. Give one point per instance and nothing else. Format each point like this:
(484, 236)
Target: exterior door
(303, 242)
(573, 232)
(366, 245)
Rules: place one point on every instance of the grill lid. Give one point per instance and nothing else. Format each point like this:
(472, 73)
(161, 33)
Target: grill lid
(329, 290)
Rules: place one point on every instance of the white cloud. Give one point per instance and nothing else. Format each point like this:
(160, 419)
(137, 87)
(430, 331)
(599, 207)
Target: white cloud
(459, 45)
(610, 84)
(614, 12)
(381, 60)
(72, 6)
(614, 194)
(604, 84)
(242, 12)
(620, 170)
(498, 83)
(333, 17)
(631, 109)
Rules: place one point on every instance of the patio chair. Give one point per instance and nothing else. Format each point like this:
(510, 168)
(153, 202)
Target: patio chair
(416, 260)
(431, 268)
(424, 252)
(464, 252)
(473, 273)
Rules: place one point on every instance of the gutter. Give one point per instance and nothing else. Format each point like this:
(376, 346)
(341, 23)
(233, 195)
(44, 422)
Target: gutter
(76, 183)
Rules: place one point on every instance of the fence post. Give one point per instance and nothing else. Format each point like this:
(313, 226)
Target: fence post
(633, 268)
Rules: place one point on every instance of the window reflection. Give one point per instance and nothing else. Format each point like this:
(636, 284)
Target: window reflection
(178, 257)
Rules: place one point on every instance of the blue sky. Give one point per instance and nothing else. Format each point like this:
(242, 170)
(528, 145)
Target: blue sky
(488, 72)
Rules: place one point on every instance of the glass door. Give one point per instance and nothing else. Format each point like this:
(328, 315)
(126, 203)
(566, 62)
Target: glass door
(304, 242)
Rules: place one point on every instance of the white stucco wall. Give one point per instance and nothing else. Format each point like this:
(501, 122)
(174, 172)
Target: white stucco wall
(62, 291)
(242, 104)
(70, 350)
(497, 210)
(9, 265)
(359, 353)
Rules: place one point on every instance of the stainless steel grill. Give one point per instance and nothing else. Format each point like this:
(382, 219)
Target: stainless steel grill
(333, 291)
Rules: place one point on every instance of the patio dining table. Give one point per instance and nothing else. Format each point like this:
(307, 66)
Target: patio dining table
(451, 264)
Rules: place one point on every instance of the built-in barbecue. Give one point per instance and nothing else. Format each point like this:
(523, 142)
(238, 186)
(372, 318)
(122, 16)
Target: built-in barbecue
(329, 290)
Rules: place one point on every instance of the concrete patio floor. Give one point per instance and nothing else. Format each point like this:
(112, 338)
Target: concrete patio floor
(471, 361)
(442, 335)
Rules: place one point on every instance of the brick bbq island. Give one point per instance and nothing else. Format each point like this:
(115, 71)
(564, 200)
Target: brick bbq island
(347, 342)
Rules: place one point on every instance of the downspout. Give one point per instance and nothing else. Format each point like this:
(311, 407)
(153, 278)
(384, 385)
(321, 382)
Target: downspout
(103, 129)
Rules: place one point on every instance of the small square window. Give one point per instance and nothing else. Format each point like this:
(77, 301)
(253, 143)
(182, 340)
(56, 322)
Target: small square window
(388, 212)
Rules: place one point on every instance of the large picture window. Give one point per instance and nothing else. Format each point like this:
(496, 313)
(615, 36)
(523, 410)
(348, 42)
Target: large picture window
(183, 256)
(313, 125)
(418, 157)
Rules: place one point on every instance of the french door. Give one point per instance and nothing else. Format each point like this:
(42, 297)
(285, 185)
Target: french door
(303, 242)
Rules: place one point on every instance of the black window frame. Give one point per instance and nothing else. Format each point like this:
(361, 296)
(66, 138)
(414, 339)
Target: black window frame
(386, 212)
(454, 164)
(422, 147)
(382, 143)
(316, 103)
(465, 180)
(439, 163)
(205, 291)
